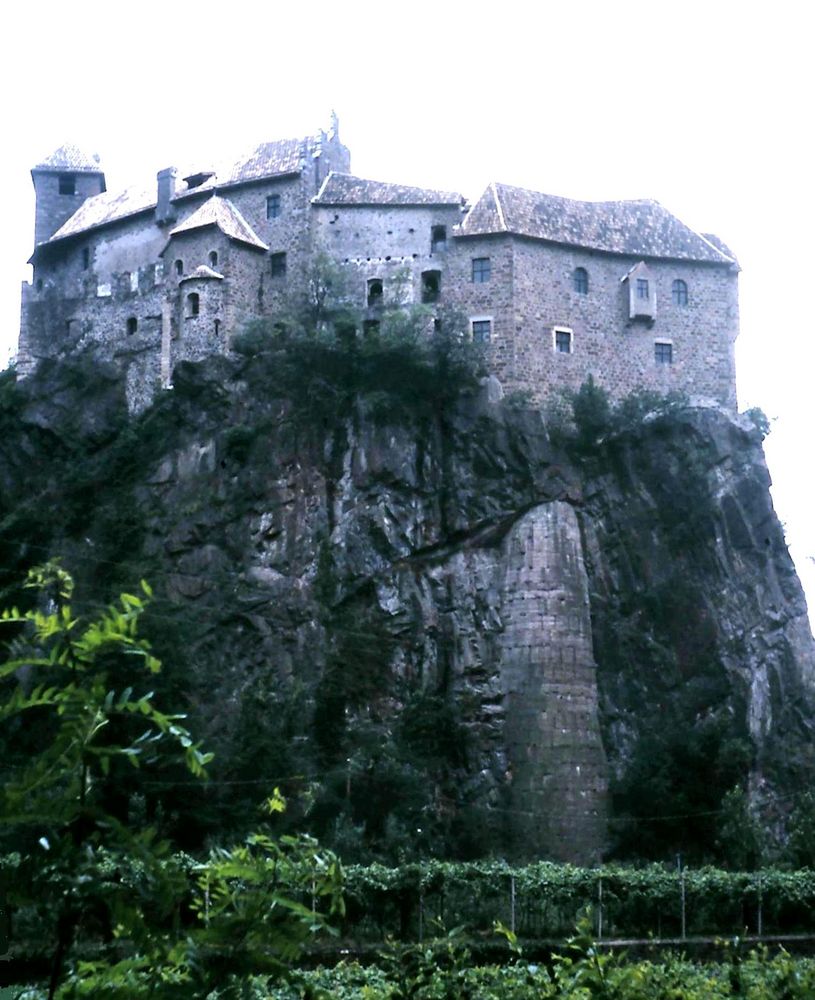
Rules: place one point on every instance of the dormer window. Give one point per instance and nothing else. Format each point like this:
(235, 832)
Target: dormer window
(438, 239)
(273, 206)
(642, 288)
(67, 184)
(580, 280)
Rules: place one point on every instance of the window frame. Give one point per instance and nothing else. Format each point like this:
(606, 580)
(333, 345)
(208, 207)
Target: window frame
(679, 292)
(193, 305)
(278, 264)
(580, 281)
(481, 271)
(642, 289)
(67, 184)
(659, 348)
(562, 331)
(482, 322)
(274, 207)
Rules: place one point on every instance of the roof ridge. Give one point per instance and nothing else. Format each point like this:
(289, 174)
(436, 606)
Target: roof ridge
(498, 206)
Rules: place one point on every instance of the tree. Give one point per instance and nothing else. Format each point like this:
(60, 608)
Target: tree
(85, 875)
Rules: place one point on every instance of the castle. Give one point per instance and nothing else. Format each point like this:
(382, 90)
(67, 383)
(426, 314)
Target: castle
(556, 289)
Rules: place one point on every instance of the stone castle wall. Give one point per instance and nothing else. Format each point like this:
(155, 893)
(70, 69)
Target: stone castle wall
(126, 286)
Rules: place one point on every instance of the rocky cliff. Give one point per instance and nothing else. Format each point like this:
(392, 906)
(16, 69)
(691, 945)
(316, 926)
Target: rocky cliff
(440, 627)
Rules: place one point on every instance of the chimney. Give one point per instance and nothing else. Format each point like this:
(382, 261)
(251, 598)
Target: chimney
(167, 180)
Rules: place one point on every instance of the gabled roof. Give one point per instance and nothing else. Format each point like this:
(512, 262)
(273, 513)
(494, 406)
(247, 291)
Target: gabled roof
(345, 189)
(269, 159)
(220, 212)
(71, 158)
(634, 228)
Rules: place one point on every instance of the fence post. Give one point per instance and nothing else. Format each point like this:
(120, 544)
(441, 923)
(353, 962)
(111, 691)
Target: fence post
(512, 903)
(599, 908)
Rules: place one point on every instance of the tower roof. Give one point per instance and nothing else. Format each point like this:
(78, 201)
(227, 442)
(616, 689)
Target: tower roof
(220, 212)
(71, 158)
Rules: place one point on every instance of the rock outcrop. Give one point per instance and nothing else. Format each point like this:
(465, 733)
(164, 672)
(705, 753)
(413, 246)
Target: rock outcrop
(565, 610)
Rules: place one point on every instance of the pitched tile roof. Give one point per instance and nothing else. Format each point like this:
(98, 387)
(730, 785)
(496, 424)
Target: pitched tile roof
(220, 212)
(269, 159)
(71, 157)
(634, 228)
(107, 207)
(345, 189)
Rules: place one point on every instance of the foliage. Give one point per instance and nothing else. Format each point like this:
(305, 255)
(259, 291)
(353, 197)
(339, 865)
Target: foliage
(759, 420)
(83, 679)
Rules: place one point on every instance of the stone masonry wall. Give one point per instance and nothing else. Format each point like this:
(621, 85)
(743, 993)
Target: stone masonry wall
(605, 343)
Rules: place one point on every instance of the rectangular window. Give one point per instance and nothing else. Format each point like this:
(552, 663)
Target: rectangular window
(482, 331)
(563, 341)
(273, 206)
(642, 288)
(278, 265)
(431, 286)
(481, 270)
(67, 184)
(663, 354)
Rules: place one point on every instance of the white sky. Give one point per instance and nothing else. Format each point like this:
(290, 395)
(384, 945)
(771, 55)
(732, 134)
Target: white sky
(705, 106)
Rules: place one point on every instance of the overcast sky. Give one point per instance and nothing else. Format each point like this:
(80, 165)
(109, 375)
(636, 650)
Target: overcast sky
(706, 107)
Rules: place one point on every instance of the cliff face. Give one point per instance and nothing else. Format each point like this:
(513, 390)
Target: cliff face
(540, 650)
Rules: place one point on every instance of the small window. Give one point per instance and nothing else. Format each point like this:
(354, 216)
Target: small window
(642, 288)
(375, 291)
(679, 292)
(563, 341)
(431, 286)
(217, 327)
(86, 258)
(278, 265)
(370, 329)
(179, 267)
(580, 279)
(438, 239)
(482, 331)
(481, 270)
(663, 354)
(213, 258)
(132, 325)
(193, 304)
(273, 206)
(67, 184)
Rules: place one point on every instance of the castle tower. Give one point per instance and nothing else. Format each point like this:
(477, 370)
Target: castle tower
(61, 183)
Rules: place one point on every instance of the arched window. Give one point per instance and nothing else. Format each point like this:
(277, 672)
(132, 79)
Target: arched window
(132, 325)
(179, 267)
(679, 292)
(375, 291)
(213, 258)
(580, 278)
(193, 304)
